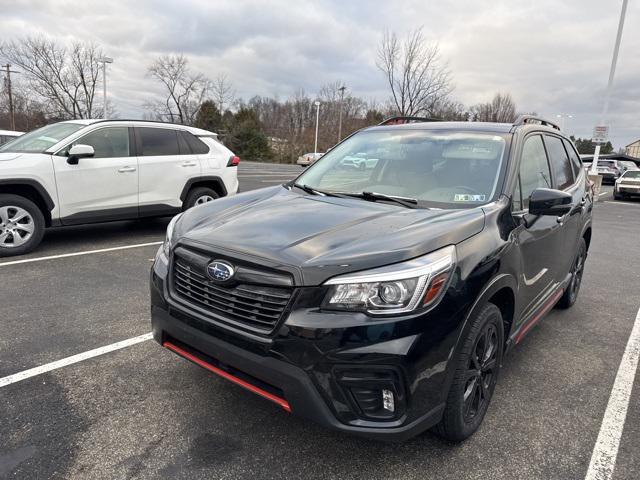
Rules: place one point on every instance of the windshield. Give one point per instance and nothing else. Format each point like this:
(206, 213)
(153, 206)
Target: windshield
(41, 139)
(631, 174)
(437, 168)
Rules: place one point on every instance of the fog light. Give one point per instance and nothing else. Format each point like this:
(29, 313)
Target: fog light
(387, 400)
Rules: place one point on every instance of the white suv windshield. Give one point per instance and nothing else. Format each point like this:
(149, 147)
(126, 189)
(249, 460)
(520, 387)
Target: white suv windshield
(41, 139)
(436, 168)
(635, 174)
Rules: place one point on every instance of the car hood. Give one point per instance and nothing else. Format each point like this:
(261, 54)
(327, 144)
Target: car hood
(316, 237)
(6, 156)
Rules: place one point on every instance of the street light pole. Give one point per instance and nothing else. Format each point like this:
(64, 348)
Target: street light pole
(315, 148)
(342, 89)
(612, 71)
(104, 61)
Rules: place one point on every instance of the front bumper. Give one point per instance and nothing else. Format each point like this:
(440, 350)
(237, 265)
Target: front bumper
(628, 189)
(318, 373)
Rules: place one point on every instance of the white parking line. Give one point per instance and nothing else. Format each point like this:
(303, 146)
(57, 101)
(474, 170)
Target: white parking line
(602, 194)
(76, 254)
(605, 452)
(32, 372)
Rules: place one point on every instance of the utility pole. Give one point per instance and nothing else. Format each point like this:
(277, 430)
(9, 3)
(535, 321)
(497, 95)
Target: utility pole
(315, 148)
(104, 61)
(342, 89)
(612, 71)
(12, 117)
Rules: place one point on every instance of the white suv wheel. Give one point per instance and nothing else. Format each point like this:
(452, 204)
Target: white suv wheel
(16, 226)
(204, 199)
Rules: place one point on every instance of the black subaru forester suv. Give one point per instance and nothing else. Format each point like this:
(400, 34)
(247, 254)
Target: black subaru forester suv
(379, 291)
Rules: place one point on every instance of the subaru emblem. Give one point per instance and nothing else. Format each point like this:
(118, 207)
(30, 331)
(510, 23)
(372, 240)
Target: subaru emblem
(220, 271)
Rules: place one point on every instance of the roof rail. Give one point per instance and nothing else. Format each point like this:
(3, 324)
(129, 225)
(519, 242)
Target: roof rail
(524, 119)
(402, 120)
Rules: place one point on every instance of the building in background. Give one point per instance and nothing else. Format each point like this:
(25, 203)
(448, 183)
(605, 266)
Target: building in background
(633, 149)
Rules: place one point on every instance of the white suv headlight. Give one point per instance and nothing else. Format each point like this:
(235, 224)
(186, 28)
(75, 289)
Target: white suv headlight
(168, 241)
(394, 289)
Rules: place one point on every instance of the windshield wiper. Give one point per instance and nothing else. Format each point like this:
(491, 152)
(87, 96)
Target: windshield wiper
(315, 191)
(374, 196)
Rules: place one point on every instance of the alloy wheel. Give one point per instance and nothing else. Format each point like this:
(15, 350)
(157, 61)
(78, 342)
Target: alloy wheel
(576, 274)
(480, 372)
(203, 199)
(16, 226)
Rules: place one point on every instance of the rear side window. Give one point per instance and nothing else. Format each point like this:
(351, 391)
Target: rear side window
(157, 141)
(576, 163)
(197, 146)
(560, 165)
(534, 169)
(110, 142)
(185, 149)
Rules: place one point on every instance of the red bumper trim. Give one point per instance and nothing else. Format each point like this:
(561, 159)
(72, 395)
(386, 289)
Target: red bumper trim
(544, 309)
(238, 381)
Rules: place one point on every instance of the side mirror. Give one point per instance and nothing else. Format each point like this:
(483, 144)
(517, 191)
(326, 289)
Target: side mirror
(547, 201)
(79, 151)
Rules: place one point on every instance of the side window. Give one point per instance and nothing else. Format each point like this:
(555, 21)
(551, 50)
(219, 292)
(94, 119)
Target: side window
(534, 168)
(576, 163)
(182, 143)
(197, 145)
(562, 171)
(157, 141)
(109, 142)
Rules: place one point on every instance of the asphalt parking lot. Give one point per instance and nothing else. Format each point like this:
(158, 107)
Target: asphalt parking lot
(142, 412)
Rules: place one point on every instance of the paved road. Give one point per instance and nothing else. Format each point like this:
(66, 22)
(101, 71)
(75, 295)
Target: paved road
(141, 412)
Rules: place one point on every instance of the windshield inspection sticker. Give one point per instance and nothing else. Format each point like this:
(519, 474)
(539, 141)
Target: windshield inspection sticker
(465, 197)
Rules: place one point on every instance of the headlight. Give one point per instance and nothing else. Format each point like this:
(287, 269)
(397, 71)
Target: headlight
(168, 241)
(399, 288)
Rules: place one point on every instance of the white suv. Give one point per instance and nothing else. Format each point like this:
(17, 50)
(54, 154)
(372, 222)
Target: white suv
(86, 171)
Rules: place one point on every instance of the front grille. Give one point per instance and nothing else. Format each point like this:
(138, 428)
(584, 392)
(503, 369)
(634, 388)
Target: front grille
(254, 307)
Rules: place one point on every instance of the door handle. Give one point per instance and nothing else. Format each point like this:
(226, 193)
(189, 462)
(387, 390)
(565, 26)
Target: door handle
(189, 164)
(126, 169)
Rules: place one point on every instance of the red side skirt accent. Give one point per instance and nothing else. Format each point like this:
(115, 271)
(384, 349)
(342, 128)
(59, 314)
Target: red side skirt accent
(544, 309)
(238, 381)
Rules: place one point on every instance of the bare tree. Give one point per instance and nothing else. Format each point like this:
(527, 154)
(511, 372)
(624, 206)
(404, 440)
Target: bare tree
(29, 112)
(184, 91)
(501, 108)
(222, 91)
(63, 77)
(417, 76)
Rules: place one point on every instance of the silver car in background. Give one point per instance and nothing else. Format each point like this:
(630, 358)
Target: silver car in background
(627, 185)
(308, 159)
(8, 135)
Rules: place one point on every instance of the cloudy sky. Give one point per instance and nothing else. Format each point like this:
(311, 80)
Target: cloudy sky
(552, 56)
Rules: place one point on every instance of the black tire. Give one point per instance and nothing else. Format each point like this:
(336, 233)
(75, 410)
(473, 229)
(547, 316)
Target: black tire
(617, 196)
(475, 378)
(196, 196)
(35, 222)
(570, 295)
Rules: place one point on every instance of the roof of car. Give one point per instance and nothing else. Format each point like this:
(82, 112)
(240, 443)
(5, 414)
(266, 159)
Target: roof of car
(524, 121)
(473, 126)
(196, 131)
